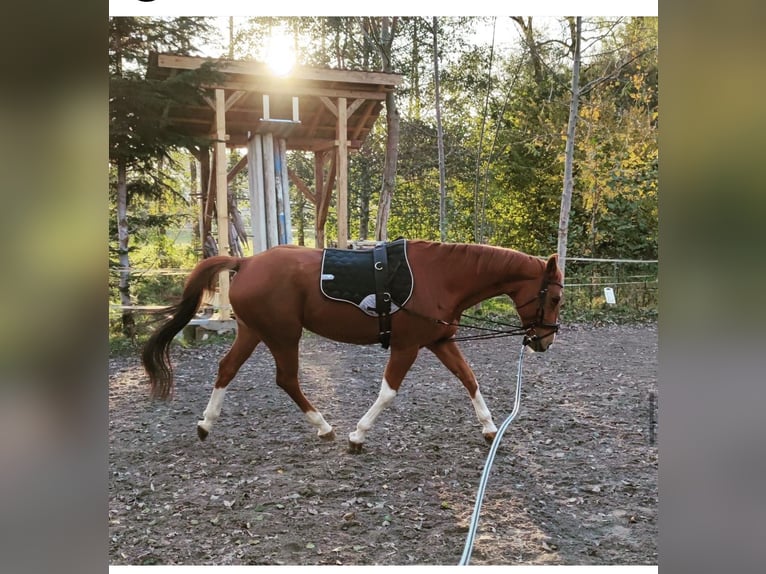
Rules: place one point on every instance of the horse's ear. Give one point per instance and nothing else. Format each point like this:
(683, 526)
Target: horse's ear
(553, 264)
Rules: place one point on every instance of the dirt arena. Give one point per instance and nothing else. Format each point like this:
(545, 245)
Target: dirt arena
(574, 480)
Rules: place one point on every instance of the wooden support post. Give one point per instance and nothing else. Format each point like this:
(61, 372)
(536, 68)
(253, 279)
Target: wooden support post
(269, 190)
(255, 187)
(200, 231)
(285, 190)
(205, 179)
(221, 199)
(319, 187)
(281, 221)
(342, 175)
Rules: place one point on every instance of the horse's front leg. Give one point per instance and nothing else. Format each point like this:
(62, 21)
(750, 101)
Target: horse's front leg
(286, 358)
(449, 354)
(399, 363)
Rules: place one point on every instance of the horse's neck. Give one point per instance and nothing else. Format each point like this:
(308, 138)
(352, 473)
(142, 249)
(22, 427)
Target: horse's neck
(482, 271)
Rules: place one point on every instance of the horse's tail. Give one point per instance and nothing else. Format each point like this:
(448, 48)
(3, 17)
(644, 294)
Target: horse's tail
(155, 356)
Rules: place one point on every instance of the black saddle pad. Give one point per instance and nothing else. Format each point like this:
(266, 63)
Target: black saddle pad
(348, 275)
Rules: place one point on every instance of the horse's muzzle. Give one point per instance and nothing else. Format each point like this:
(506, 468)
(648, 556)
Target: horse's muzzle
(537, 343)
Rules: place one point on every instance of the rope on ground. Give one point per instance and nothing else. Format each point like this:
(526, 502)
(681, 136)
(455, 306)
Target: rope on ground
(465, 558)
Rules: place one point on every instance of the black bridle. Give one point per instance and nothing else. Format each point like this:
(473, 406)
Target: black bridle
(530, 334)
(526, 329)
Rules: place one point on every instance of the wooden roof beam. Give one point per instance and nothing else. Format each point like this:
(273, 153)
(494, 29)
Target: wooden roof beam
(300, 90)
(363, 120)
(172, 61)
(330, 105)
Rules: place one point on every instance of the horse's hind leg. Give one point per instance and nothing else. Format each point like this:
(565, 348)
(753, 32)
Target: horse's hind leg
(243, 347)
(449, 354)
(398, 364)
(286, 358)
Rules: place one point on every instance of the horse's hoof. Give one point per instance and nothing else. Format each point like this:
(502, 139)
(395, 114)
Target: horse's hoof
(489, 437)
(328, 436)
(354, 447)
(201, 433)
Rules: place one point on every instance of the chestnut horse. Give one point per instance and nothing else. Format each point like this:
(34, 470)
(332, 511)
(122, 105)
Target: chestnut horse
(276, 294)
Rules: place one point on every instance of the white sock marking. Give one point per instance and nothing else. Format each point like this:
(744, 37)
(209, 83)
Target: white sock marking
(213, 410)
(483, 414)
(385, 397)
(316, 419)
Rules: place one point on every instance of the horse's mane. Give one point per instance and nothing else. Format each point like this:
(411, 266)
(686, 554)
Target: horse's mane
(486, 257)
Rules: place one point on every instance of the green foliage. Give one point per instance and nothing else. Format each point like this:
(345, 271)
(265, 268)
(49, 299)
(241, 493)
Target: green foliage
(139, 131)
(156, 252)
(594, 310)
(635, 287)
(119, 345)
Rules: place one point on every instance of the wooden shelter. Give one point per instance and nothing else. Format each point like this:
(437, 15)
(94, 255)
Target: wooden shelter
(324, 111)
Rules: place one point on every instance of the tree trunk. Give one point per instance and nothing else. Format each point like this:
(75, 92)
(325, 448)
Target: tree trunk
(392, 136)
(534, 49)
(566, 196)
(128, 322)
(365, 190)
(389, 168)
(364, 206)
(440, 142)
(231, 37)
(194, 194)
(414, 111)
(478, 207)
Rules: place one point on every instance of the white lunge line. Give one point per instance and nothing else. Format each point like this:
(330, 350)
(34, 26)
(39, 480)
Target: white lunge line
(483, 414)
(213, 410)
(385, 397)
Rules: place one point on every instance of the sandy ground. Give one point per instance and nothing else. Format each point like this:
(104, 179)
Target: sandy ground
(574, 480)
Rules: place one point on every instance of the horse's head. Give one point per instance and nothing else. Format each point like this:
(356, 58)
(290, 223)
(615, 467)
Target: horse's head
(538, 304)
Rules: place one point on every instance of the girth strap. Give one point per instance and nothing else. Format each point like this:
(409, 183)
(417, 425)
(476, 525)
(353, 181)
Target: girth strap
(382, 297)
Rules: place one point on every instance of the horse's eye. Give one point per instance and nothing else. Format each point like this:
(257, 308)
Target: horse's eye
(556, 300)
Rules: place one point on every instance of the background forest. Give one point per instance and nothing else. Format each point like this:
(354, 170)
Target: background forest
(496, 92)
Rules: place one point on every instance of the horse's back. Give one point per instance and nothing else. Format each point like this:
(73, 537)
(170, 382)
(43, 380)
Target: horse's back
(281, 273)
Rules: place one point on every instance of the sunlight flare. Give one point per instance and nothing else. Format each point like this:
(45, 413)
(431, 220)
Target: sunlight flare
(280, 53)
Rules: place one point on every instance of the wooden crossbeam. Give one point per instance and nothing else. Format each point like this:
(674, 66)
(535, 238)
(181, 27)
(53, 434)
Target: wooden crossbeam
(261, 69)
(354, 106)
(236, 169)
(302, 187)
(234, 98)
(361, 123)
(303, 91)
(326, 186)
(330, 105)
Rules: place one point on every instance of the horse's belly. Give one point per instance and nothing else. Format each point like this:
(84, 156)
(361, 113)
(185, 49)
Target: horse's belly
(342, 322)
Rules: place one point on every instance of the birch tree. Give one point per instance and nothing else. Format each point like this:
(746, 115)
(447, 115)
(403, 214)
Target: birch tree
(440, 140)
(575, 26)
